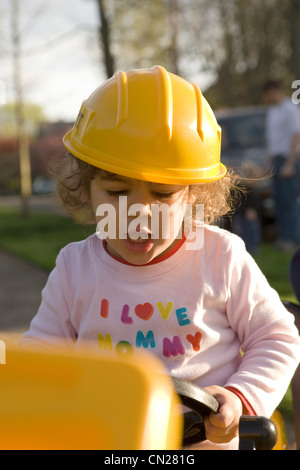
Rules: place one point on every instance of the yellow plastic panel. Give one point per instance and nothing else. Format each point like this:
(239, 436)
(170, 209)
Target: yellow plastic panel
(84, 400)
(278, 420)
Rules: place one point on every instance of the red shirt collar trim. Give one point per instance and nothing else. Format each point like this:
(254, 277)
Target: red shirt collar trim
(157, 260)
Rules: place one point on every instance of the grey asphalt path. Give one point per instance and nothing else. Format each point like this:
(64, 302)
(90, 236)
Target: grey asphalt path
(21, 284)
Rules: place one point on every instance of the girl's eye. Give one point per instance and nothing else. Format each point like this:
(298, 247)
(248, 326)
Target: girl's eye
(117, 192)
(163, 195)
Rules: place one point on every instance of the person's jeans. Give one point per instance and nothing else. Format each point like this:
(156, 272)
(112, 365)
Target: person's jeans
(285, 198)
(249, 231)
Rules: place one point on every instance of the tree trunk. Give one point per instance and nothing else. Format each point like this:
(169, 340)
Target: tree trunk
(105, 39)
(174, 20)
(293, 14)
(24, 153)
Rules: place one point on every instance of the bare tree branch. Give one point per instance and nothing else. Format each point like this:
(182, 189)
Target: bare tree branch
(105, 35)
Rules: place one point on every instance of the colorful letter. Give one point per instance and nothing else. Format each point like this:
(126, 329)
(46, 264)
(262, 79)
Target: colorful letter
(165, 311)
(104, 308)
(173, 348)
(141, 340)
(195, 340)
(124, 348)
(182, 316)
(124, 317)
(105, 343)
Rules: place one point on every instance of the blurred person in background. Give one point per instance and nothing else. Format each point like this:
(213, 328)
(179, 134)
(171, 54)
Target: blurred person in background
(246, 221)
(283, 139)
(294, 273)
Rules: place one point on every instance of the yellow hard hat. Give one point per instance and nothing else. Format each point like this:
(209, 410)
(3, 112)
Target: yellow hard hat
(151, 125)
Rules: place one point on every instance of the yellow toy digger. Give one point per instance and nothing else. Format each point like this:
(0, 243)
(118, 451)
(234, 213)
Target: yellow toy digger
(64, 399)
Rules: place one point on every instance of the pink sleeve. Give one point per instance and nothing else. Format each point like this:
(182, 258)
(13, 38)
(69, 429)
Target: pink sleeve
(266, 330)
(52, 320)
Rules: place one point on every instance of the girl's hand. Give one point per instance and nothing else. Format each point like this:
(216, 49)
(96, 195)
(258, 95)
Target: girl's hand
(223, 426)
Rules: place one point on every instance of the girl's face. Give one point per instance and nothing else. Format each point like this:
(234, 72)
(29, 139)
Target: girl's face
(138, 237)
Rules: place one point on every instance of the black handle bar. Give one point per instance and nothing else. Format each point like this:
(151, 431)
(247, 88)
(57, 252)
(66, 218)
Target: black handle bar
(255, 432)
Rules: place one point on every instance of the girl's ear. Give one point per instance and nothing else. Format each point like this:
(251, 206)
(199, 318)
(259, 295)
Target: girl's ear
(192, 195)
(85, 194)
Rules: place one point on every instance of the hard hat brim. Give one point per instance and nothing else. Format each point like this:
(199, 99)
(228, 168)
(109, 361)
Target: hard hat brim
(164, 175)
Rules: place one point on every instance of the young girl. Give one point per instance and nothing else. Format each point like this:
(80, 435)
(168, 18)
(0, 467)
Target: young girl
(144, 150)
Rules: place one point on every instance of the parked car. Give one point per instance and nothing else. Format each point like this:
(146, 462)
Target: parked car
(244, 149)
(42, 186)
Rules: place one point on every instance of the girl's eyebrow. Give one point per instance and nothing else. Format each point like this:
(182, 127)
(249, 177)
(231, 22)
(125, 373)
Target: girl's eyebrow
(107, 176)
(113, 177)
(166, 186)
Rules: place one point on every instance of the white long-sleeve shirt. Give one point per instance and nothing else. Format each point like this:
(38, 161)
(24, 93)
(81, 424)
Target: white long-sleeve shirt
(195, 310)
(282, 124)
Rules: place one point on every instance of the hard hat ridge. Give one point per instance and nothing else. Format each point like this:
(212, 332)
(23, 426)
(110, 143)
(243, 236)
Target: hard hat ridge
(200, 111)
(165, 102)
(122, 111)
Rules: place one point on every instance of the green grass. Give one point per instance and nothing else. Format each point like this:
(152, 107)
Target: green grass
(275, 264)
(40, 237)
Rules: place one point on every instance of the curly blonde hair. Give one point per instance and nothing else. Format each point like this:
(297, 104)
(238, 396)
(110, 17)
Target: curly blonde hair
(73, 177)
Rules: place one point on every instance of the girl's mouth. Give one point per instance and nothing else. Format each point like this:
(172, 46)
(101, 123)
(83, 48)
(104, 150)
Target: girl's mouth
(141, 245)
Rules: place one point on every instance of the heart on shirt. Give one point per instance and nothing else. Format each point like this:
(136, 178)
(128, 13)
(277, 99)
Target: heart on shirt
(144, 311)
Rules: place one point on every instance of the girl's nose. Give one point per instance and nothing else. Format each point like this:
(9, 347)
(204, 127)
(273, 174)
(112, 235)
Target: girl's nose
(141, 199)
(139, 211)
